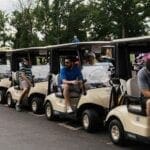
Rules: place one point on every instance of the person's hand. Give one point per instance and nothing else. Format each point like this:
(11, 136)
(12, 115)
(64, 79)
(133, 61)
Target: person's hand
(80, 81)
(31, 85)
(75, 82)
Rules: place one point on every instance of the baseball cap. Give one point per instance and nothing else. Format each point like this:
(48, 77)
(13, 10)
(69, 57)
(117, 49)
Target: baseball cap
(146, 57)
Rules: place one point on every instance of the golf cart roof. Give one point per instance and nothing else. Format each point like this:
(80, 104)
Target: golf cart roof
(5, 49)
(22, 49)
(59, 46)
(132, 40)
(29, 49)
(82, 44)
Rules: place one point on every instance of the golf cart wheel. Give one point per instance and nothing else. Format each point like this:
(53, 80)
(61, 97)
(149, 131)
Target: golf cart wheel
(90, 120)
(2, 96)
(37, 105)
(49, 111)
(116, 132)
(10, 102)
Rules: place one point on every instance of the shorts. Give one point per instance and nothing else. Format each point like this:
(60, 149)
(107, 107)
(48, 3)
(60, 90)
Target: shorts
(24, 84)
(74, 88)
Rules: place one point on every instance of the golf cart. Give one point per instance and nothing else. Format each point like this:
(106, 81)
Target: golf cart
(38, 56)
(92, 106)
(5, 83)
(129, 121)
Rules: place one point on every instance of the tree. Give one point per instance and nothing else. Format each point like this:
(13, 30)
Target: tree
(76, 21)
(100, 20)
(119, 18)
(69, 19)
(43, 23)
(59, 21)
(23, 21)
(3, 28)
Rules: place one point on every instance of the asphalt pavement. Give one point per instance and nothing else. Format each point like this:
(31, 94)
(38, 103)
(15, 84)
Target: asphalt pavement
(27, 131)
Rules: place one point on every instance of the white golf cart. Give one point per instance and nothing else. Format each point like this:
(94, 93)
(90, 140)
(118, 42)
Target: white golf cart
(35, 99)
(129, 121)
(92, 106)
(5, 73)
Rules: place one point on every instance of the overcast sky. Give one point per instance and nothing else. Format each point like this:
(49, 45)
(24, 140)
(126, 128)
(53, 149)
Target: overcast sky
(7, 5)
(10, 5)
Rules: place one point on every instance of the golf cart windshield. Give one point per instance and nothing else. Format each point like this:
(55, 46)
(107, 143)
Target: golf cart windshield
(40, 68)
(96, 67)
(37, 59)
(97, 74)
(4, 66)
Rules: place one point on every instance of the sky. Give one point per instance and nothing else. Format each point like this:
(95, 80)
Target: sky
(7, 5)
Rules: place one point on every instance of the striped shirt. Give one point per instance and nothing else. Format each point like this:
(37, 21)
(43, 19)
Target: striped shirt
(26, 69)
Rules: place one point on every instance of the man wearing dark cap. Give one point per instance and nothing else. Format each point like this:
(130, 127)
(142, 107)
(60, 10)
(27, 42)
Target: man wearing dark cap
(144, 82)
(71, 77)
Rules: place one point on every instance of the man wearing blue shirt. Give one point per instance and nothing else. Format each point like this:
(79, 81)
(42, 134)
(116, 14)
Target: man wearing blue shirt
(71, 77)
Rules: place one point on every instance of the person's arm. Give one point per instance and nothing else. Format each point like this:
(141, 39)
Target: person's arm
(64, 78)
(25, 78)
(143, 84)
(146, 93)
(80, 76)
(23, 75)
(70, 82)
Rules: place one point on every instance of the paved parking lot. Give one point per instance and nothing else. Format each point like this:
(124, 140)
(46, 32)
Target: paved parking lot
(27, 131)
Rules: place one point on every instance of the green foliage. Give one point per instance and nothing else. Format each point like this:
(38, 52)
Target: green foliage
(119, 18)
(3, 35)
(76, 21)
(61, 20)
(47, 23)
(24, 24)
(68, 20)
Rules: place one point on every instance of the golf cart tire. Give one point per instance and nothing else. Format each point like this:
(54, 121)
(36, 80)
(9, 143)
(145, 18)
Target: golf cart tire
(37, 105)
(10, 102)
(116, 132)
(2, 96)
(49, 113)
(92, 123)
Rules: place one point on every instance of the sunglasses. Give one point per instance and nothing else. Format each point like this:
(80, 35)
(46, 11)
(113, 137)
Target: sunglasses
(67, 62)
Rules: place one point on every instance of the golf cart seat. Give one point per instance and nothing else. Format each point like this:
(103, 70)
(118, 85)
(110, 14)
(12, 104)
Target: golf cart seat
(134, 99)
(15, 80)
(123, 86)
(132, 87)
(74, 93)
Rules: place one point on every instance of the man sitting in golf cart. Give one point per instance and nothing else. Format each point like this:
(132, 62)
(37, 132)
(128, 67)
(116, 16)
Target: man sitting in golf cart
(71, 78)
(144, 82)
